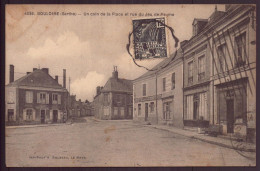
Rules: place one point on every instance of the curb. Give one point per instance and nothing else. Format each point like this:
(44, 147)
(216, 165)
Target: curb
(34, 126)
(205, 140)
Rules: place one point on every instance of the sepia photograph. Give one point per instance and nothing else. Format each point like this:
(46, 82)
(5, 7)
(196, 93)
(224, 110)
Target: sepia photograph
(130, 85)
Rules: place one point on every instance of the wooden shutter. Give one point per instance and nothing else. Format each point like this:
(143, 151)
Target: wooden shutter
(38, 98)
(47, 98)
(24, 114)
(59, 99)
(33, 113)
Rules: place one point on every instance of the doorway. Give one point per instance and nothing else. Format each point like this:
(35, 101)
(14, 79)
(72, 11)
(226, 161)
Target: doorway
(195, 110)
(42, 116)
(146, 112)
(55, 116)
(230, 116)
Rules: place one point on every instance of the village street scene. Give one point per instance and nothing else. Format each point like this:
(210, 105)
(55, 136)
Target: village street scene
(193, 106)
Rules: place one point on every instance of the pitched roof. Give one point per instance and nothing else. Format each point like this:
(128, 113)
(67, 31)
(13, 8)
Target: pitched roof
(163, 63)
(119, 85)
(37, 78)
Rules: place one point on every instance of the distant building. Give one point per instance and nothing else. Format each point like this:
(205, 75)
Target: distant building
(77, 108)
(35, 98)
(114, 100)
(158, 95)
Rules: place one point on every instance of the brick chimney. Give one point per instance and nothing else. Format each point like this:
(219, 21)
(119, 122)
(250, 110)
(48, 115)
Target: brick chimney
(115, 73)
(28, 73)
(34, 69)
(64, 78)
(11, 76)
(57, 78)
(46, 70)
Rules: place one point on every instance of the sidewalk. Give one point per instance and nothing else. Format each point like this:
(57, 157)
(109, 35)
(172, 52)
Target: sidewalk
(39, 125)
(224, 142)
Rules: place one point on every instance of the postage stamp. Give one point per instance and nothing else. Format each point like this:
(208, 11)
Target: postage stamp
(149, 38)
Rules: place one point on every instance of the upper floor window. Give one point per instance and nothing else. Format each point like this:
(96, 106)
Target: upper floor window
(144, 89)
(190, 72)
(164, 84)
(173, 81)
(201, 68)
(106, 98)
(56, 98)
(43, 98)
(29, 96)
(240, 50)
(222, 52)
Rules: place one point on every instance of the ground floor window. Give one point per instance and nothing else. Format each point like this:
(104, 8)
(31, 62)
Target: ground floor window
(167, 110)
(196, 107)
(10, 113)
(189, 107)
(139, 109)
(29, 114)
(152, 107)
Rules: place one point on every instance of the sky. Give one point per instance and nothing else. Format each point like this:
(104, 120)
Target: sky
(87, 46)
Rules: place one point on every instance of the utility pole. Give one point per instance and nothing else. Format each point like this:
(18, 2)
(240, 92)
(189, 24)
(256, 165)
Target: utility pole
(157, 119)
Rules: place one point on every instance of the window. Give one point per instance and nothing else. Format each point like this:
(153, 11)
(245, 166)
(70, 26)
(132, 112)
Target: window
(144, 89)
(166, 111)
(54, 98)
(29, 115)
(222, 52)
(10, 115)
(106, 98)
(164, 84)
(152, 107)
(173, 81)
(201, 65)
(29, 96)
(190, 72)
(43, 98)
(240, 50)
(139, 109)
(189, 107)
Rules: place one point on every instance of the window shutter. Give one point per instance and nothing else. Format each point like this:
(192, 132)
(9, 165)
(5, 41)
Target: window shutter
(24, 114)
(47, 98)
(33, 114)
(59, 99)
(38, 98)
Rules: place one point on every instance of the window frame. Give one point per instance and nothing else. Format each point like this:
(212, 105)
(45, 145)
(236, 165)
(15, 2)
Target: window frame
(28, 96)
(164, 84)
(190, 72)
(201, 67)
(144, 88)
(240, 61)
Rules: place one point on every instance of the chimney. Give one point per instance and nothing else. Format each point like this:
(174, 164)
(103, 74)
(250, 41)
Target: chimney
(98, 90)
(115, 73)
(28, 73)
(64, 78)
(57, 78)
(11, 76)
(46, 70)
(34, 69)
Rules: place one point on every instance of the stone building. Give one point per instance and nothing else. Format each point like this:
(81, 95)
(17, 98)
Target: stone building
(220, 72)
(114, 100)
(158, 95)
(35, 98)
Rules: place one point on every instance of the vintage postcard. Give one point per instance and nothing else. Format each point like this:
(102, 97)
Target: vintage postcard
(130, 85)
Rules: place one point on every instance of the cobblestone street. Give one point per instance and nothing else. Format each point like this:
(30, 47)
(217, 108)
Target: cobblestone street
(112, 143)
